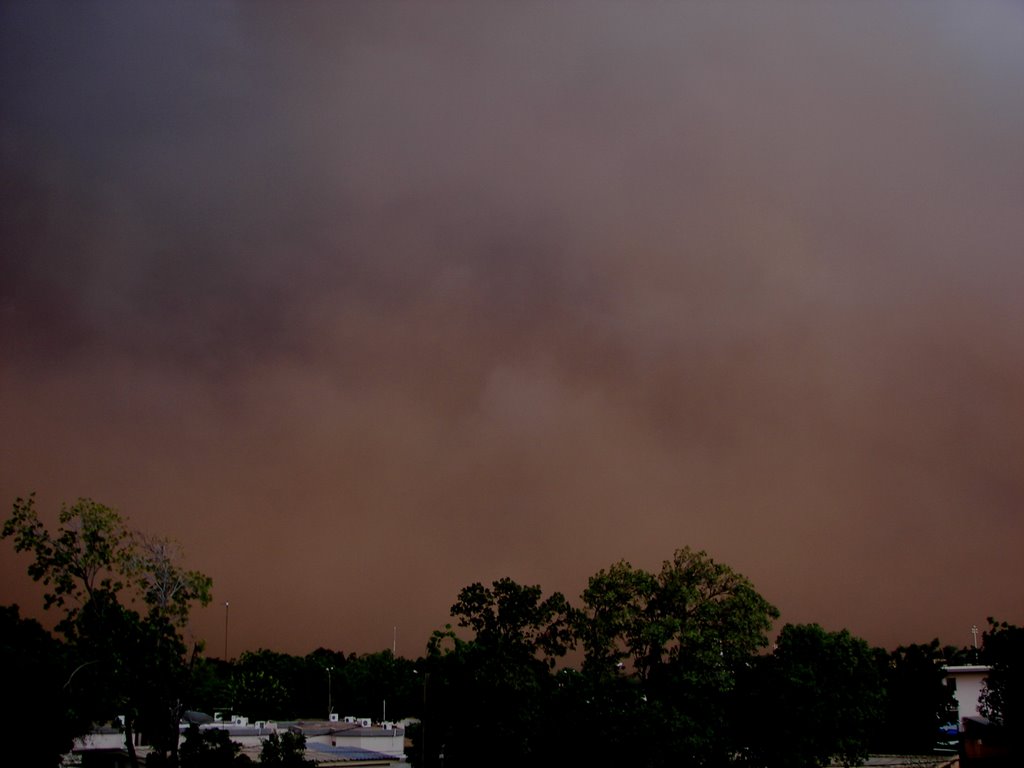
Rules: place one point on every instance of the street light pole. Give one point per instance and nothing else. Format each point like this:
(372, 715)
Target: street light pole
(423, 722)
(330, 706)
(227, 606)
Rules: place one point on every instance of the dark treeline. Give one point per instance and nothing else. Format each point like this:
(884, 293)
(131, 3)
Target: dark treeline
(675, 670)
(266, 685)
(674, 667)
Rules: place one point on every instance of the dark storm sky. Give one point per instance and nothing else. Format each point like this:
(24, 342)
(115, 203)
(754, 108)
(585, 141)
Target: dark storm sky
(363, 302)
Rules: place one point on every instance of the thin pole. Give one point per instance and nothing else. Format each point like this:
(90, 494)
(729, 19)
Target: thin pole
(423, 722)
(330, 705)
(227, 606)
(394, 642)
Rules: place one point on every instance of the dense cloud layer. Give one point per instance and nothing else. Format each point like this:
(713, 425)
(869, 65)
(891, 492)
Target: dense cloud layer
(367, 301)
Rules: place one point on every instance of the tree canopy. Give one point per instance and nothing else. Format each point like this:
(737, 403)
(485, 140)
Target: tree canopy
(815, 700)
(129, 663)
(917, 702)
(675, 670)
(673, 666)
(1002, 699)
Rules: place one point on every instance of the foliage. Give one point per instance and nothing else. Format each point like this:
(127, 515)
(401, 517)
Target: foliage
(492, 694)
(211, 680)
(623, 724)
(363, 683)
(672, 673)
(210, 748)
(268, 685)
(39, 702)
(695, 614)
(917, 702)
(686, 629)
(262, 683)
(620, 621)
(1002, 699)
(167, 589)
(88, 554)
(813, 701)
(286, 751)
(513, 619)
(94, 551)
(130, 663)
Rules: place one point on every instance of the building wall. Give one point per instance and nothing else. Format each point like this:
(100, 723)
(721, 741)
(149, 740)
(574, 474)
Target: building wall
(100, 741)
(968, 684)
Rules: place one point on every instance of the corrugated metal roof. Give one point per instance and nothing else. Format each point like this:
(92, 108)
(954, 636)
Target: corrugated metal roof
(347, 753)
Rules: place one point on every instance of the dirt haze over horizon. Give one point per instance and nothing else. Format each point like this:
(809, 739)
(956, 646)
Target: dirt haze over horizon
(365, 302)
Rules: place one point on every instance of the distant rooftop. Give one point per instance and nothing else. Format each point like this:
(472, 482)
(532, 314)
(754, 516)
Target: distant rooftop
(963, 668)
(326, 751)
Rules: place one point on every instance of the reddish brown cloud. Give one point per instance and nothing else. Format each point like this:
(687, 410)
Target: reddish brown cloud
(365, 302)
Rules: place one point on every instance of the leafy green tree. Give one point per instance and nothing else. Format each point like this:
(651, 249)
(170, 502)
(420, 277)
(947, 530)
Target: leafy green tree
(491, 694)
(39, 702)
(365, 682)
(211, 685)
(695, 614)
(260, 695)
(623, 724)
(286, 751)
(326, 684)
(1002, 699)
(688, 630)
(88, 554)
(513, 618)
(268, 685)
(265, 684)
(133, 664)
(815, 700)
(620, 622)
(210, 748)
(168, 590)
(916, 702)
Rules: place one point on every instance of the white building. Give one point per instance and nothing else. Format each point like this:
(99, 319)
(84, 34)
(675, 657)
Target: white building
(355, 733)
(967, 682)
(357, 742)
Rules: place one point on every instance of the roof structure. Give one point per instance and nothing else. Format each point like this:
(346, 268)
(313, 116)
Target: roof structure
(323, 753)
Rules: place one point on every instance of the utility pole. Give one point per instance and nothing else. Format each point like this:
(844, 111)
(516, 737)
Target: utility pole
(330, 705)
(423, 723)
(227, 606)
(974, 631)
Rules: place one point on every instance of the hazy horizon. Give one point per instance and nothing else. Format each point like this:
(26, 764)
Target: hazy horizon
(364, 302)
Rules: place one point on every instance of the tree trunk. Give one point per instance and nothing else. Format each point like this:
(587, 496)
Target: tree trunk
(129, 742)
